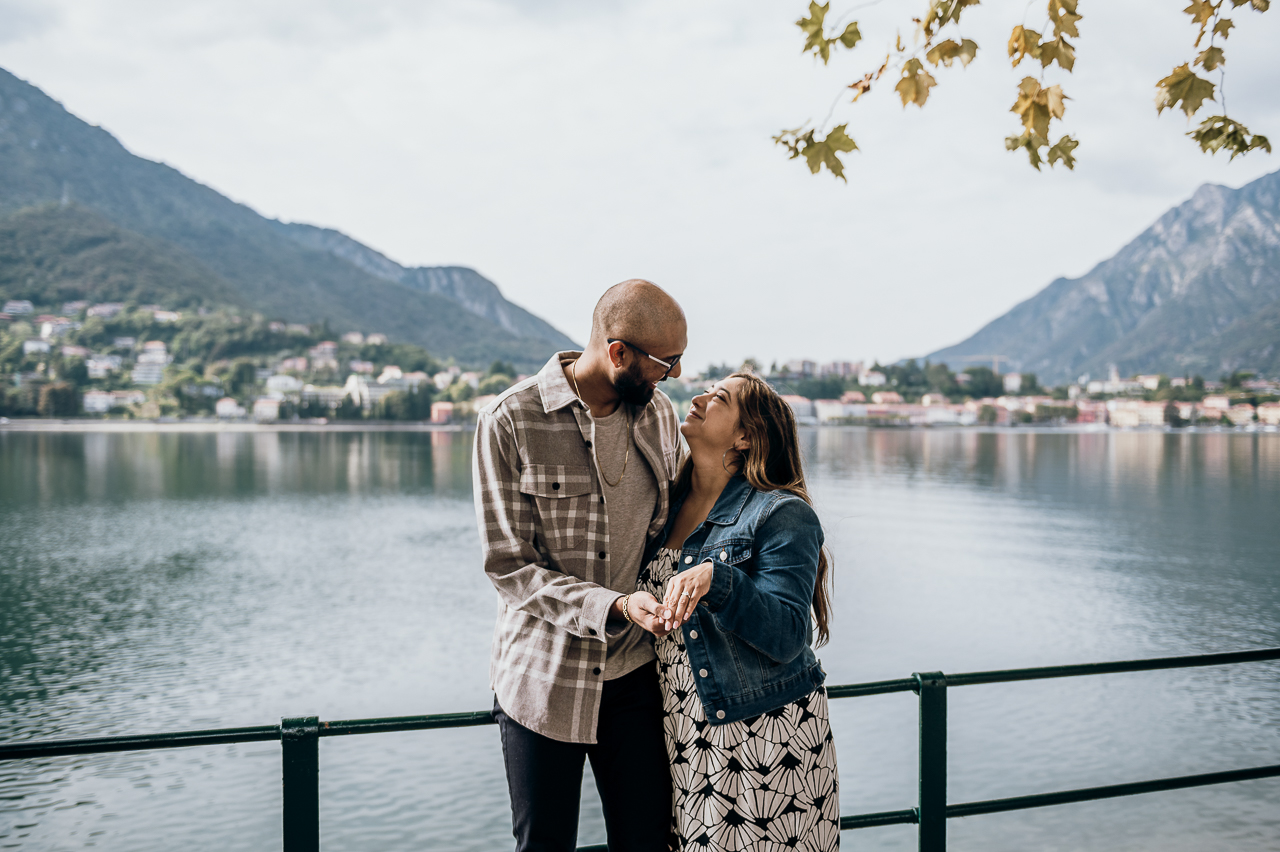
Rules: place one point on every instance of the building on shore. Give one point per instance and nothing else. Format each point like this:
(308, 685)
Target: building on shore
(266, 409)
(324, 356)
(149, 368)
(100, 366)
(96, 402)
(326, 396)
(282, 386)
(100, 401)
(802, 407)
(872, 379)
(1241, 415)
(1218, 403)
(1126, 413)
(442, 411)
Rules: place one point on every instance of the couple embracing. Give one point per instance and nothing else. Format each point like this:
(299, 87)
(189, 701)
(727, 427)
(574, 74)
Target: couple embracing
(657, 606)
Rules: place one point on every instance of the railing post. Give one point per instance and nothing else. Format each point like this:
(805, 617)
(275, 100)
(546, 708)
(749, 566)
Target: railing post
(300, 753)
(932, 687)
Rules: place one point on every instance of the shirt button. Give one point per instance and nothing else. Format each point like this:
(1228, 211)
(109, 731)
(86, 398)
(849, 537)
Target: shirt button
(602, 554)
(591, 630)
(688, 559)
(588, 445)
(702, 672)
(724, 554)
(693, 634)
(555, 486)
(596, 670)
(719, 714)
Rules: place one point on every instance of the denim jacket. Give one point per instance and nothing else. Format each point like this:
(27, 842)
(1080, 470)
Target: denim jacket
(749, 639)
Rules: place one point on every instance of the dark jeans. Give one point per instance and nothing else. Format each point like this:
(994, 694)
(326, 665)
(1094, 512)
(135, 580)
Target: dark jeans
(629, 761)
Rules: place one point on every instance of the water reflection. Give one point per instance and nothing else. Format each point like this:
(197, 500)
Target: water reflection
(44, 467)
(157, 581)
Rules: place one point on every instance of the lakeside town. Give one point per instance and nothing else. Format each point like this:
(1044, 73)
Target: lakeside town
(147, 362)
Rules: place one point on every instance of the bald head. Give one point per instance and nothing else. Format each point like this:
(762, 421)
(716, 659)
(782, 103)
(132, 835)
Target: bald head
(636, 310)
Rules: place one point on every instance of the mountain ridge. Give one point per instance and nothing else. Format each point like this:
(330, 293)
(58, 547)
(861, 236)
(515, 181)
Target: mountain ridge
(48, 155)
(1181, 297)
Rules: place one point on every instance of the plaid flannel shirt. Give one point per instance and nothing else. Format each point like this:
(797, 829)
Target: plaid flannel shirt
(545, 533)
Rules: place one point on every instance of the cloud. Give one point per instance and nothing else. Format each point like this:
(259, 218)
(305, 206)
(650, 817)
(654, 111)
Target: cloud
(561, 147)
(25, 19)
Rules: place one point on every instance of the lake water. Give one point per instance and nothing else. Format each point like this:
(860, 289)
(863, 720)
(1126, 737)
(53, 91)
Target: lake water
(156, 582)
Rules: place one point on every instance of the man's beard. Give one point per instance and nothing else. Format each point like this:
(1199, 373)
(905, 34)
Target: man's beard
(632, 387)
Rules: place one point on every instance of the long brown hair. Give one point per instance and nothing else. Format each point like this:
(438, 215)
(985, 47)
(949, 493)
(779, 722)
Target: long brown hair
(773, 463)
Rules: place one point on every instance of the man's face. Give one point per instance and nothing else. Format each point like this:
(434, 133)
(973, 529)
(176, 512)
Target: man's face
(631, 384)
(640, 374)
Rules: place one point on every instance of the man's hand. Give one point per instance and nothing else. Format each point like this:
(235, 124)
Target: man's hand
(643, 609)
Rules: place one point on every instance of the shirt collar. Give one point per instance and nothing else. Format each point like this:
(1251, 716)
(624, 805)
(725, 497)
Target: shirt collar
(557, 393)
(552, 384)
(730, 502)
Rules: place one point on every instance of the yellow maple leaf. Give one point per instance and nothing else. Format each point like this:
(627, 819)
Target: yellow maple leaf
(1183, 86)
(915, 84)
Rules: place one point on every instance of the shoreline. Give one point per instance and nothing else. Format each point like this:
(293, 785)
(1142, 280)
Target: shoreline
(193, 426)
(246, 427)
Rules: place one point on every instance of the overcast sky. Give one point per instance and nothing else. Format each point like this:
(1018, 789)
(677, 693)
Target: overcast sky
(559, 147)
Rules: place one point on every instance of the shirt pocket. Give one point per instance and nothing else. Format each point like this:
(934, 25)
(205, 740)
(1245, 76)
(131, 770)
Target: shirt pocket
(562, 496)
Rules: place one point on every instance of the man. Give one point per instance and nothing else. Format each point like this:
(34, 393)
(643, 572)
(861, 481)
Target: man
(573, 469)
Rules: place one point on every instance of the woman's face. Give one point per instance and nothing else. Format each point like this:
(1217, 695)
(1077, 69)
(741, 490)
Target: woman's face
(712, 421)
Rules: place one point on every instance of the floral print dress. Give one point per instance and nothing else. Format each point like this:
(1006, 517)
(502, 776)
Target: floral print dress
(762, 784)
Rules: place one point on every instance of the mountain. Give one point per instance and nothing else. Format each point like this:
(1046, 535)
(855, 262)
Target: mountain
(1197, 292)
(465, 286)
(294, 272)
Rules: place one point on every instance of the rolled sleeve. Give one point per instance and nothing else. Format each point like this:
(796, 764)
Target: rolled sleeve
(721, 585)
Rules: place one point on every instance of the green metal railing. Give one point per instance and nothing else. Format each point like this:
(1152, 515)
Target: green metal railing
(300, 738)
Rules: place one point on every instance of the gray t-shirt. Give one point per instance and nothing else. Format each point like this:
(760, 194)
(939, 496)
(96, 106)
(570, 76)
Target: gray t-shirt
(630, 506)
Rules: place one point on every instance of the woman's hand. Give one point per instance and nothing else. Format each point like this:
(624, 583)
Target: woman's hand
(644, 610)
(684, 590)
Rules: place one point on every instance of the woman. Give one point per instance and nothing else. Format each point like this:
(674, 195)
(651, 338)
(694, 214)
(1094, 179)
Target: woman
(739, 571)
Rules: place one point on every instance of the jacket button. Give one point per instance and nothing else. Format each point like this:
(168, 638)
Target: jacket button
(601, 554)
(719, 714)
(688, 559)
(596, 670)
(724, 554)
(693, 634)
(588, 445)
(591, 630)
(704, 603)
(555, 486)
(702, 672)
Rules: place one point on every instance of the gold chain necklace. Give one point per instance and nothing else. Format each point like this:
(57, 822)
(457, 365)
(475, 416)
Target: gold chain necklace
(631, 424)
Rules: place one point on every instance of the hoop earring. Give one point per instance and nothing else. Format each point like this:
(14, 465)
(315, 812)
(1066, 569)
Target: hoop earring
(723, 456)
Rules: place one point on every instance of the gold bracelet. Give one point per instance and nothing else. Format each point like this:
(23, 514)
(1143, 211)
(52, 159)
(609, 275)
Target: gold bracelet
(626, 613)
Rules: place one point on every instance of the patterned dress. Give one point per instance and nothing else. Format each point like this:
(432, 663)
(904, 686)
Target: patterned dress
(763, 784)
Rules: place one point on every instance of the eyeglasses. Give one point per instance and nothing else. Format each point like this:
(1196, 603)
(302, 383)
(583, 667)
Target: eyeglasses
(670, 365)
